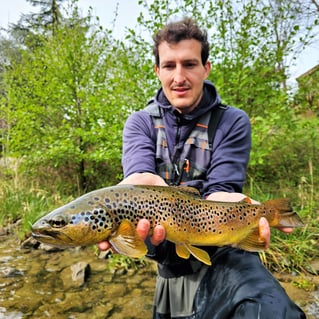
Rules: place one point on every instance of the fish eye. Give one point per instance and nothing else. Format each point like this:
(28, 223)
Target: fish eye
(58, 221)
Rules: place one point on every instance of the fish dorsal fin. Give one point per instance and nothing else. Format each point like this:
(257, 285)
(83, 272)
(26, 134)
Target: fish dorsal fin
(253, 242)
(184, 251)
(247, 200)
(127, 242)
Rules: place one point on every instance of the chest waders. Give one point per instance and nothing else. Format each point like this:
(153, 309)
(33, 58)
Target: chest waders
(190, 160)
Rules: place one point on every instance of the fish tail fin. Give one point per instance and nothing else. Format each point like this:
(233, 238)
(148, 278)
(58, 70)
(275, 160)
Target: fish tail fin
(286, 216)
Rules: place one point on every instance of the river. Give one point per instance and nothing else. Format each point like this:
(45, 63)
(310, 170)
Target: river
(39, 284)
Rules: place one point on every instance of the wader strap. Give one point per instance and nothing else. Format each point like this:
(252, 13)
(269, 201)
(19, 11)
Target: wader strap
(214, 121)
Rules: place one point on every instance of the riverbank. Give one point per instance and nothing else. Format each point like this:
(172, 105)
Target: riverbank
(47, 284)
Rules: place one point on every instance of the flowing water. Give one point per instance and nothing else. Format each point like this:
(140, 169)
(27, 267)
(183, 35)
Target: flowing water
(39, 284)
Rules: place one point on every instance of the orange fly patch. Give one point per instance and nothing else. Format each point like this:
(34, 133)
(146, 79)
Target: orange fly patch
(187, 166)
(190, 140)
(203, 146)
(202, 125)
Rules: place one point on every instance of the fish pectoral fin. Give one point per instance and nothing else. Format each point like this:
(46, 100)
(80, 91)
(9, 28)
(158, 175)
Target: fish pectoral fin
(253, 242)
(127, 242)
(185, 250)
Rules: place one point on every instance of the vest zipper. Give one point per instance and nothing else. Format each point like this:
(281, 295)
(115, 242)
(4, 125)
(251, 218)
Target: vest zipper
(177, 172)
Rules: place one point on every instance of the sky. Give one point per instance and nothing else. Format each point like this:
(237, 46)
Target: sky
(128, 11)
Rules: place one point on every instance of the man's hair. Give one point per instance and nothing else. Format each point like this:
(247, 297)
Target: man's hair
(174, 32)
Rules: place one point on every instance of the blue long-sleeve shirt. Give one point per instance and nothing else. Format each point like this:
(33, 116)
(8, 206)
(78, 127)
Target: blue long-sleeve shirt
(231, 147)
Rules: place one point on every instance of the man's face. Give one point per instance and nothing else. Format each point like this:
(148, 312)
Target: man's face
(182, 73)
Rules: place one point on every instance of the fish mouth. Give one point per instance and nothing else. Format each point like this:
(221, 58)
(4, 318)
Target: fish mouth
(52, 237)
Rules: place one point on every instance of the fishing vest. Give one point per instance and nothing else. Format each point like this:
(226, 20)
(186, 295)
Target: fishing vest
(191, 162)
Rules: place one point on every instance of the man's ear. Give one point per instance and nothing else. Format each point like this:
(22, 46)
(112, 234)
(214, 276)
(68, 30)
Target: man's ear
(207, 67)
(157, 69)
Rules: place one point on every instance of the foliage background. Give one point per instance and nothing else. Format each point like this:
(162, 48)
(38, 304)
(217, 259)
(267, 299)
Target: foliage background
(67, 85)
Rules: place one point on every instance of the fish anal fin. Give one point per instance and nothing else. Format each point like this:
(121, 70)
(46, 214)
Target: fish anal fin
(182, 251)
(253, 242)
(127, 242)
(185, 250)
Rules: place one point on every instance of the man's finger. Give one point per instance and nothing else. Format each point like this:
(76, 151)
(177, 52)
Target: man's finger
(104, 245)
(287, 230)
(158, 235)
(143, 228)
(264, 231)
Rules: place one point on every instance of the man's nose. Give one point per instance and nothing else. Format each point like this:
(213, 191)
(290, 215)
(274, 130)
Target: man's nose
(179, 76)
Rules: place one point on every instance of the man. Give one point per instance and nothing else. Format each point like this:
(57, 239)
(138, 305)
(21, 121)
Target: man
(169, 143)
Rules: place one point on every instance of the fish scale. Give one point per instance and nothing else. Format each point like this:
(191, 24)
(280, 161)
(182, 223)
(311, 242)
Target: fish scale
(112, 214)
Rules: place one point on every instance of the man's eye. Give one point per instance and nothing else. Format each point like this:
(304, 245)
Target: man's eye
(168, 66)
(190, 65)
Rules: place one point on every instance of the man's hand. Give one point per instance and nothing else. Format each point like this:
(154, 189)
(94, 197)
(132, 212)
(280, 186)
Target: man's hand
(143, 228)
(144, 179)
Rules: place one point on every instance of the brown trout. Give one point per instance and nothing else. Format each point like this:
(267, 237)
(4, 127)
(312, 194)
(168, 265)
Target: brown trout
(112, 214)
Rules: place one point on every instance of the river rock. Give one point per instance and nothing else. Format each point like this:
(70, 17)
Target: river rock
(76, 275)
(30, 243)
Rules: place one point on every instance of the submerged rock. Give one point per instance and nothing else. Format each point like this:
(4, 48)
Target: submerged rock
(76, 275)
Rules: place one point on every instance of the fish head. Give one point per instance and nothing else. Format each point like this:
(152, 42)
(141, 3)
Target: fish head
(80, 223)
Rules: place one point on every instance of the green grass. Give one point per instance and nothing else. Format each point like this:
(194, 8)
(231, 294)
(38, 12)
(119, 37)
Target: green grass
(295, 251)
(25, 204)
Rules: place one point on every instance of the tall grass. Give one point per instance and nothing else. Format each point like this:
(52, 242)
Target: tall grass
(297, 250)
(21, 199)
